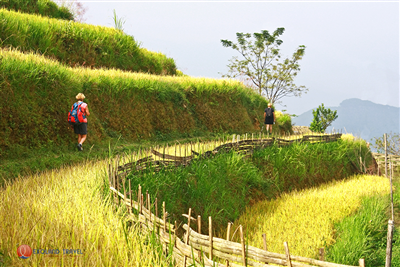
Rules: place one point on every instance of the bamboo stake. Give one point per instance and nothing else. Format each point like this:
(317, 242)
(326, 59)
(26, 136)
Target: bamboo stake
(148, 203)
(210, 236)
(228, 234)
(384, 137)
(141, 202)
(139, 199)
(388, 261)
(164, 217)
(187, 234)
(130, 196)
(199, 230)
(175, 229)
(265, 241)
(156, 209)
(321, 253)
(243, 245)
(391, 189)
(288, 260)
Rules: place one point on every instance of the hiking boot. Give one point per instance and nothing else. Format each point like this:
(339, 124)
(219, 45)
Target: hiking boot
(79, 146)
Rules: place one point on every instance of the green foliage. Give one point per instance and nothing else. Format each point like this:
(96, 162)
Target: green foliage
(323, 118)
(392, 143)
(275, 80)
(363, 235)
(220, 187)
(79, 44)
(40, 7)
(283, 123)
(305, 165)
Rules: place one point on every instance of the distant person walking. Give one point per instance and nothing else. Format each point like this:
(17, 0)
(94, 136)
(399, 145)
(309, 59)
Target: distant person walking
(80, 128)
(269, 117)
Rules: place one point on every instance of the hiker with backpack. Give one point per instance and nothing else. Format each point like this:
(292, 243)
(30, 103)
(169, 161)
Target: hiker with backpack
(77, 119)
(269, 117)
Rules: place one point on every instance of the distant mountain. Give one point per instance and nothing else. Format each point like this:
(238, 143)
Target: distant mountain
(362, 118)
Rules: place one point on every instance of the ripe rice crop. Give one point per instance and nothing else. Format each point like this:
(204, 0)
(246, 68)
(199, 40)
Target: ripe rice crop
(65, 209)
(305, 219)
(80, 44)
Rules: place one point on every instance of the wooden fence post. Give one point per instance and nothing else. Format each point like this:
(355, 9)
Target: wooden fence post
(385, 141)
(228, 234)
(187, 235)
(148, 203)
(210, 236)
(361, 262)
(155, 204)
(243, 245)
(265, 241)
(130, 197)
(140, 199)
(164, 217)
(388, 262)
(199, 230)
(288, 259)
(321, 253)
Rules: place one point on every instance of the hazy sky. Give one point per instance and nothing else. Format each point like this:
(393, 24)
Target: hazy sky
(352, 47)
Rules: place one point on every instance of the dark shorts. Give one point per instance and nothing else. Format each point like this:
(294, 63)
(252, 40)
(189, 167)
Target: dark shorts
(269, 120)
(81, 128)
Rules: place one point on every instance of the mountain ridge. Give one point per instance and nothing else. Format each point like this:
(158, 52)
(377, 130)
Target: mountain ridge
(363, 118)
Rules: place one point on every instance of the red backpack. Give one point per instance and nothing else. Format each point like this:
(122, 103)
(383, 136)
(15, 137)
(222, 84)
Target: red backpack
(75, 115)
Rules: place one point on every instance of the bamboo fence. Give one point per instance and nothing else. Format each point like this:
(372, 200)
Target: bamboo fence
(380, 159)
(195, 248)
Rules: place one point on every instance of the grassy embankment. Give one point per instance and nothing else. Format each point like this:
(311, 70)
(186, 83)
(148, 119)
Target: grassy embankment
(364, 234)
(222, 187)
(37, 94)
(40, 7)
(80, 44)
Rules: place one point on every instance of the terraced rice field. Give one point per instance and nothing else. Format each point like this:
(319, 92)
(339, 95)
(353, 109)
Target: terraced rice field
(305, 219)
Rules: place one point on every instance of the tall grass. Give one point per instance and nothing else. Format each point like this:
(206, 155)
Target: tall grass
(304, 165)
(66, 209)
(80, 44)
(40, 7)
(363, 235)
(305, 219)
(220, 187)
(37, 94)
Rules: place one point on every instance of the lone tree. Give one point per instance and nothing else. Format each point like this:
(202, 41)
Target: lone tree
(323, 118)
(262, 65)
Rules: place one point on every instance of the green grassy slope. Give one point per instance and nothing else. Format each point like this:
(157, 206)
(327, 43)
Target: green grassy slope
(37, 94)
(41, 7)
(79, 44)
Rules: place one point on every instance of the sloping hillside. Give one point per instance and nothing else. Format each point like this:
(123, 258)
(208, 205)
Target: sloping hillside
(37, 94)
(40, 7)
(79, 44)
